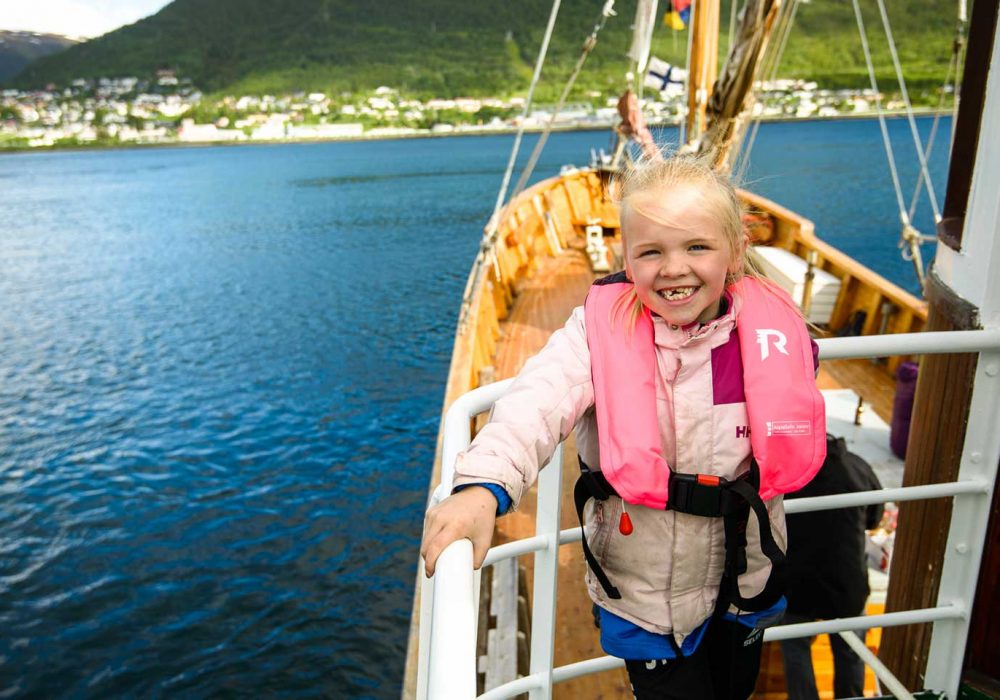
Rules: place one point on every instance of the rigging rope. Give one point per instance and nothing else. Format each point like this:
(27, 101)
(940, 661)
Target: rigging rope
(909, 238)
(486, 246)
(785, 29)
(501, 195)
(930, 143)
(953, 64)
(909, 112)
(688, 81)
(588, 45)
(881, 117)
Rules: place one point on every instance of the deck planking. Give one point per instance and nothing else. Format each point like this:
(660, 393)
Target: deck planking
(868, 379)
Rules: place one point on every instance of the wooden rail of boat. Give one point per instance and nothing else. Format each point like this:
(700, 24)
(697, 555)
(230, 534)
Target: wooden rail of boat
(550, 217)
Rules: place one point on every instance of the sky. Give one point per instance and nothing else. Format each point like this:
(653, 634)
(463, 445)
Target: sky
(77, 18)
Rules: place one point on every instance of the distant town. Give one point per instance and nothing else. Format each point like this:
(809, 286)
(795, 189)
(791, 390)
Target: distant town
(170, 110)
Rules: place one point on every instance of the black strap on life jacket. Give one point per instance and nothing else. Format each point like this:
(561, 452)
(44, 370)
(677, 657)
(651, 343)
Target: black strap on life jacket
(592, 484)
(710, 497)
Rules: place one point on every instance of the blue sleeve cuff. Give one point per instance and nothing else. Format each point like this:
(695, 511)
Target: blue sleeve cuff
(499, 493)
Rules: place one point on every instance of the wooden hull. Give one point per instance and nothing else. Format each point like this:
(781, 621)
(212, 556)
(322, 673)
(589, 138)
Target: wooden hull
(539, 273)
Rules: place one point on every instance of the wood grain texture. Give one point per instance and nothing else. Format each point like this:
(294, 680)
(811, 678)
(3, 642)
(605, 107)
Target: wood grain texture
(937, 433)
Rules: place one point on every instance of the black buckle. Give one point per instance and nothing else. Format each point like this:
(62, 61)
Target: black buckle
(696, 494)
(596, 483)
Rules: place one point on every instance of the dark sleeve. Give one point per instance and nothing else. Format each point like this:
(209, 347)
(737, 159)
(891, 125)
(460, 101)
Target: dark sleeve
(873, 515)
(868, 481)
(815, 349)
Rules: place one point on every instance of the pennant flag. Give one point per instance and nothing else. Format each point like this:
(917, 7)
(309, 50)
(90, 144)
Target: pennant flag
(680, 13)
(642, 36)
(660, 74)
(674, 21)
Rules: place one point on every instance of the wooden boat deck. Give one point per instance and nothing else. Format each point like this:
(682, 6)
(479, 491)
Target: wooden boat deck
(544, 302)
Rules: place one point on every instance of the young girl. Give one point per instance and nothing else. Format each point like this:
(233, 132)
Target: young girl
(657, 372)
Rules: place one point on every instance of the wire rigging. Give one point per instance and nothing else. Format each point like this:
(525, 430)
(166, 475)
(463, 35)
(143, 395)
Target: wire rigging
(909, 112)
(953, 64)
(786, 22)
(502, 194)
(910, 238)
(881, 117)
(588, 46)
(486, 246)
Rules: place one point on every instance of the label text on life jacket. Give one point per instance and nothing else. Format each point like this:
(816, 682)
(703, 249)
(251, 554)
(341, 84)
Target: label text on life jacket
(789, 427)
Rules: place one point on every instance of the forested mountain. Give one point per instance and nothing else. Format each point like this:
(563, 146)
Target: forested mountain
(18, 49)
(460, 47)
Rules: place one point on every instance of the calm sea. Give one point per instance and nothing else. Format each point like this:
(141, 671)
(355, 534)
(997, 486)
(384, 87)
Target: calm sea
(221, 372)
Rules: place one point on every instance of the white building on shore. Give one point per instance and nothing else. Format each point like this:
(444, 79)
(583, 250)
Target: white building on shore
(326, 131)
(189, 132)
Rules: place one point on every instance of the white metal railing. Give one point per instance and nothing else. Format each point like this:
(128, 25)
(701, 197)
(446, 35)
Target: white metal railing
(449, 600)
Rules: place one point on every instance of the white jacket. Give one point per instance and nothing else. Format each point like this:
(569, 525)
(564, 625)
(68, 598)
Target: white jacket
(668, 570)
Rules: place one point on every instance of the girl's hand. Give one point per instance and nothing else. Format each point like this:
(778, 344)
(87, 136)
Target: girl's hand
(470, 514)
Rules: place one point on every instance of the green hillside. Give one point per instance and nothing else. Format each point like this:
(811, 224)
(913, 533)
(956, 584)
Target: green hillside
(454, 47)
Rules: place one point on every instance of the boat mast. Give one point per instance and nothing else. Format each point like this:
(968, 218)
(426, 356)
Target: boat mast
(703, 65)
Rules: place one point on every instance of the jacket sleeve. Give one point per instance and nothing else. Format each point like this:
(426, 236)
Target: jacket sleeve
(539, 411)
(874, 512)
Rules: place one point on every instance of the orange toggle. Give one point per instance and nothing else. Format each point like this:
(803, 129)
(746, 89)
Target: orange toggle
(708, 480)
(625, 524)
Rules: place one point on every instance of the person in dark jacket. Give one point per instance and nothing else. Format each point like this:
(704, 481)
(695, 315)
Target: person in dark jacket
(827, 571)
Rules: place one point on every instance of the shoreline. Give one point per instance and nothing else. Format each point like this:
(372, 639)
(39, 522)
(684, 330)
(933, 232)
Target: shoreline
(4, 150)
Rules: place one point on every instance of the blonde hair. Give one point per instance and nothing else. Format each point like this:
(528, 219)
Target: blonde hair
(718, 194)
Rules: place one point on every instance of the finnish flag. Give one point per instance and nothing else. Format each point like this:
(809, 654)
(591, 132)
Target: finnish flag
(660, 74)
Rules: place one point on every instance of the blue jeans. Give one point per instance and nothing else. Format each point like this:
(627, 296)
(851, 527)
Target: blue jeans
(848, 668)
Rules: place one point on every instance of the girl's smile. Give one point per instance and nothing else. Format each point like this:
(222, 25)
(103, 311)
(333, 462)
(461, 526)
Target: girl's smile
(676, 254)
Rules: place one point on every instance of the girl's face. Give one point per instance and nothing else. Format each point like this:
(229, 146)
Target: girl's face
(676, 254)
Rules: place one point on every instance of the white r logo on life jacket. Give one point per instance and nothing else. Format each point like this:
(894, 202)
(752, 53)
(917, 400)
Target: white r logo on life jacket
(779, 341)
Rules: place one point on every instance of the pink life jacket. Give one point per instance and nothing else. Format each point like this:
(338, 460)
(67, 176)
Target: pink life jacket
(786, 411)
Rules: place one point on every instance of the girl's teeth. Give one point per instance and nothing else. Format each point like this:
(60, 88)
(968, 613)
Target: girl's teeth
(679, 293)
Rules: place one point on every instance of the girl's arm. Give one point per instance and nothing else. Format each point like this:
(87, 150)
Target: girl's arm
(536, 413)
(527, 424)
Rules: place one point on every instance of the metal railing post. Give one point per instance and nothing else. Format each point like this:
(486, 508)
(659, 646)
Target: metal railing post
(455, 585)
(967, 533)
(424, 638)
(426, 610)
(543, 597)
(452, 669)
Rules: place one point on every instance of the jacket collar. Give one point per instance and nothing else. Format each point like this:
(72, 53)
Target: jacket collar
(716, 332)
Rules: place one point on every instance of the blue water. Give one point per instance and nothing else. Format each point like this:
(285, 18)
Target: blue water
(221, 371)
